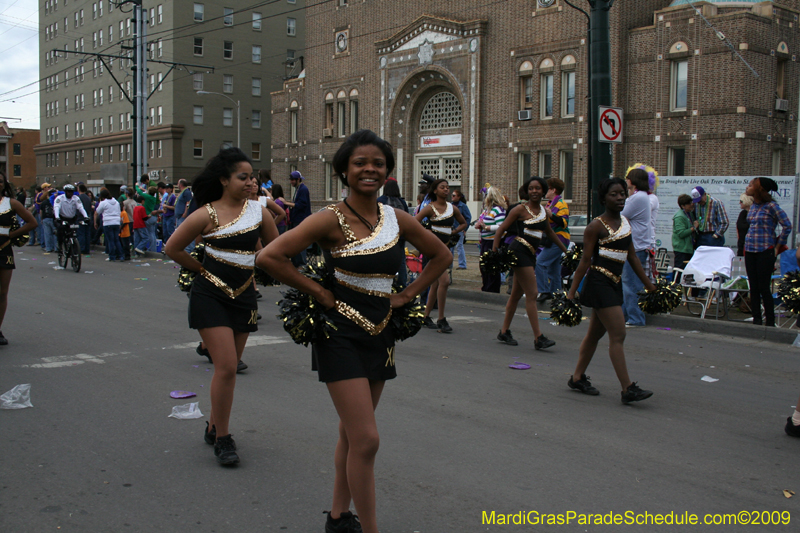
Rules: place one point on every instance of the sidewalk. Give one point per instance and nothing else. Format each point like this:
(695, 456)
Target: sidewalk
(466, 287)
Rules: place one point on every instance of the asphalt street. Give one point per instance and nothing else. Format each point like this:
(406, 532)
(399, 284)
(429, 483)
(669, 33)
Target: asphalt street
(461, 432)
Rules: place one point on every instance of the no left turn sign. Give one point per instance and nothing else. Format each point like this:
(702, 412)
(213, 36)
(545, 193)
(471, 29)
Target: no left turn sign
(610, 124)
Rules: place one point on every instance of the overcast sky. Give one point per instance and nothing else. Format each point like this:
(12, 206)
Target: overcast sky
(19, 63)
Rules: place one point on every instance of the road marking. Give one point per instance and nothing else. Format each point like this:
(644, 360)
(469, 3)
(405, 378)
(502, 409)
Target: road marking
(253, 340)
(467, 319)
(59, 361)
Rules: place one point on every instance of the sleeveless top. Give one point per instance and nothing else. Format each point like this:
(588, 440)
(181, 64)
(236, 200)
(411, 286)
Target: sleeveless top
(7, 216)
(364, 270)
(230, 253)
(442, 223)
(531, 231)
(611, 253)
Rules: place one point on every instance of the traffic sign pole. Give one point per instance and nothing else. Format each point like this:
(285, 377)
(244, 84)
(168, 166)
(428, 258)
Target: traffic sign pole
(600, 83)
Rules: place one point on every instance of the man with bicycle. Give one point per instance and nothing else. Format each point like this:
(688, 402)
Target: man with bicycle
(66, 209)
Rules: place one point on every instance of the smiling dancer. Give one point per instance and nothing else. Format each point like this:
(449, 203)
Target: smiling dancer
(360, 242)
(532, 223)
(607, 245)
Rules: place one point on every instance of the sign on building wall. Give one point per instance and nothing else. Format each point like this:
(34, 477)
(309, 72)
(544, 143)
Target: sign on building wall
(436, 141)
(610, 124)
(726, 189)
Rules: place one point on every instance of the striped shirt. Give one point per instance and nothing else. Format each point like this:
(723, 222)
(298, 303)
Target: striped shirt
(492, 220)
(761, 235)
(712, 216)
(559, 208)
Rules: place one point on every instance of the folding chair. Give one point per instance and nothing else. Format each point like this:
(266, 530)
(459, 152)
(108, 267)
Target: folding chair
(737, 283)
(708, 268)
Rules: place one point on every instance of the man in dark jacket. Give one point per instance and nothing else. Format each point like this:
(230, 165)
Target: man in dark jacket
(300, 208)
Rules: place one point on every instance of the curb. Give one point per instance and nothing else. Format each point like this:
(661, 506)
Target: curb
(718, 327)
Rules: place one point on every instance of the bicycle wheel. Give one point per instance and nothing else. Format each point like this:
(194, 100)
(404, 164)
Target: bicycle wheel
(63, 254)
(76, 255)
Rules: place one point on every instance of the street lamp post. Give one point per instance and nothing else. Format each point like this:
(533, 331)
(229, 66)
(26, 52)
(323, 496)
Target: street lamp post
(238, 116)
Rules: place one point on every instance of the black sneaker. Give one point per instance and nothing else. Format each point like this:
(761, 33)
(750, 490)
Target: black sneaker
(225, 450)
(258, 316)
(506, 338)
(3, 340)
(583, 385)
(543, 342)
(443, 327)
(791, 429)
(210, 436)
(258, 295)
(635, 394)
(203, 352)
(428, 323)
(543, 296)
(240, 366)
(346, 523)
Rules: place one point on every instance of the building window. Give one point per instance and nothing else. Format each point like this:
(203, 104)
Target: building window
(110, 154)
(198, 46)
(227, 116)
(680, 77)
(197, 82)
(160, 114)
(677, 162)
(329, 181)
(17, 149)
(159, 13)
(342, 122)
(293, 126)
(568, 94)
(255, 87)
(227, 50)
(198, 114)
(546, 165)
(158, 150)
(227, 83)
(257, 21)
(547, 96)
(776, 162)
(353, 116)
(152, 151)
(17, 170)
(523, 167)
(780, 81)
(199, 12)
(256, 119)
(526, 83)
(291, 27)
(227, 16)
(255, 152)
(567, 172)
(198, 148)
(256, 53)
(442, 111)
(329, 115)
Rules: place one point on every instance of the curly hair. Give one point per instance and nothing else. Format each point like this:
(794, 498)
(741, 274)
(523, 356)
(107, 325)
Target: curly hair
(523, 191)
(207, 186)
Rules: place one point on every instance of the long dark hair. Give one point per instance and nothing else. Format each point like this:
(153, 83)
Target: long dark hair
(207, 186)
(432, 191)
(277, 190)
(361, 138)
(391, 188)
(6, 191)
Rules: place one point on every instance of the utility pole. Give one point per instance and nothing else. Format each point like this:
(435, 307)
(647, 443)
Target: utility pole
(600, 87)
(139, 90)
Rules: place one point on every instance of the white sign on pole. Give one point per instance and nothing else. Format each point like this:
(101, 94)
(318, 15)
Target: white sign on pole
(725, 189)
(610, 124)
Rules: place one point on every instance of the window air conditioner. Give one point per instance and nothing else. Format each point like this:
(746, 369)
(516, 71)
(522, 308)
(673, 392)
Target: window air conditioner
(781, 105)
(327, 132)
(524, 114)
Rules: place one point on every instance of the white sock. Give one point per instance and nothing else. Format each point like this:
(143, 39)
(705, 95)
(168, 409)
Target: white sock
(796, 418)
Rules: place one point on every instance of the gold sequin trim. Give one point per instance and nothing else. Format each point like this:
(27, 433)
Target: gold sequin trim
(526, 244)
(369, 238)
(534, 220)
(223, 287)
(607, 272)
(235, 220)
(370, 251)
(6, 211)
(213, 214)
(357, 275)
(363, 290)
(440, 216)
(612, 235)
(233, 234)
(613, 252)
(230, 263)
(363, 276)
(241, 252)
(3, 246)
(348, 233)
(360, 320)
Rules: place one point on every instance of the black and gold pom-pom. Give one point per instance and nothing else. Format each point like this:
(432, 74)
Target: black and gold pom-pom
(454, 238)
(572, 258)
(303, 317)
(407, 320)
(264, 279)
(564, 311)
(664, 299)
(789, 291)
(19, 240)
(499, 261)
(186, 276)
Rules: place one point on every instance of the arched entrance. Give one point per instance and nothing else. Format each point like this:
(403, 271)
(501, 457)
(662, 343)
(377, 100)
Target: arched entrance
(438, 139)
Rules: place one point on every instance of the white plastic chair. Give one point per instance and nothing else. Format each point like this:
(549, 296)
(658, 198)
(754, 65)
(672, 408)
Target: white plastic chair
(708, 269)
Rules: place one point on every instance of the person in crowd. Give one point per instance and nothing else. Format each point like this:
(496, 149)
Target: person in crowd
(123, 190)
(391, 197)
(761, 246)
(638, 212)
(548, 262)
(650, 265)
(168, 210)
(141, 237)
(461, 204)
(532, 222)
(125, 234)
(67, 209)
(742, 225)
(607, 244)
(222, 302)
(182, 202)
(299, 209)
(35, 238)
(109, 209)
(96, 233)
(441, 215)
(48, 218)
(490, 220)
(85, 230)
(712, 216)
(280, 201)
(683, 231)
(10, 208)
(150, 202)
(360, 241)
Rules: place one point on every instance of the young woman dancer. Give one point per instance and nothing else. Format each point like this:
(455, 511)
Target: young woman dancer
(360, 242)
(607, 244)
(10, 208)
(533, 222)
(222, 302)
(441, 214)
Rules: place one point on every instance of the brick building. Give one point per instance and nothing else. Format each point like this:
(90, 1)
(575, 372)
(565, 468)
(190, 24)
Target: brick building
(479, 92)
(17, 158)
(235, 50)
